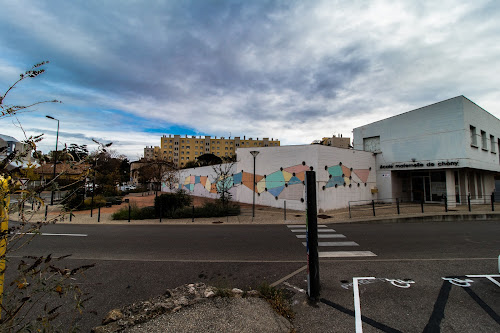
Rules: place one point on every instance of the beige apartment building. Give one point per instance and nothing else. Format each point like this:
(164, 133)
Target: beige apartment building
(334, 141)
(182, 149)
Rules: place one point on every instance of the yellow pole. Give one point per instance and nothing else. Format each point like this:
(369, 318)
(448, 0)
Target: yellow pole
(4, 227)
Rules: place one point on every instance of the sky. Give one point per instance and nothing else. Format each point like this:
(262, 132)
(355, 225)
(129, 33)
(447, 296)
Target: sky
(129, 72)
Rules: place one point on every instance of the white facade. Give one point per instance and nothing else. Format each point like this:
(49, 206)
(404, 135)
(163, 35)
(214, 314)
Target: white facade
(342, 175)
(449, 148)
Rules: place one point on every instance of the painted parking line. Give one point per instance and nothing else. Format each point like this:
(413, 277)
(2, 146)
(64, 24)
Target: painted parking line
(324, 236)
(49, 234)
(334, 244)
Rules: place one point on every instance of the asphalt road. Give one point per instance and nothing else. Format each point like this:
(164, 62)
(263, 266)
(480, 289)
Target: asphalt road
(137, 262)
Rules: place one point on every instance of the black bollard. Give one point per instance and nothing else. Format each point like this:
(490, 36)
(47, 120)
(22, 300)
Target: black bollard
(313, 284)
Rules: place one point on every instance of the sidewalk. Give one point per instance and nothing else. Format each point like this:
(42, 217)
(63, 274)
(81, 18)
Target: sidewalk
(270, 215)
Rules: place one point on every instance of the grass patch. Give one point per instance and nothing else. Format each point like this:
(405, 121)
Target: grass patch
(278, 300)
(223, 292)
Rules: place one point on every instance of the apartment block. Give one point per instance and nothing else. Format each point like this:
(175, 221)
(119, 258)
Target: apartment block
(335, 141)
(182, 149)
(152, 152)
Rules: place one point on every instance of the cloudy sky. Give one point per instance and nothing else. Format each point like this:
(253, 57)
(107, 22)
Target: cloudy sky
(128, 72)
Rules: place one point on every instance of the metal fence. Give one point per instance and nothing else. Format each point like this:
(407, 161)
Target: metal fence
(397, 206)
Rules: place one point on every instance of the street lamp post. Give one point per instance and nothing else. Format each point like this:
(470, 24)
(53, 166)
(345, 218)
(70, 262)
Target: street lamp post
(254, 154)
(55, 160)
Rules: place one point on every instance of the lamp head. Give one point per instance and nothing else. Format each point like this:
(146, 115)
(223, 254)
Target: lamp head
(254, 153)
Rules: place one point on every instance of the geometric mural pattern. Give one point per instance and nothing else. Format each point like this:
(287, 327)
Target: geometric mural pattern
(286, 183)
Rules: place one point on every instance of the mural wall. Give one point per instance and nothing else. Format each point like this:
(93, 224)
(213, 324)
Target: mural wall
(288, 182)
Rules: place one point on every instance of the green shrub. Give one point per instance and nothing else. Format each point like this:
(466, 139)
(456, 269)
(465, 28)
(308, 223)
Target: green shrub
(171, 202)
(73, 201)
(99, 201)
(115, 200)
(209, 209)
(136, 213)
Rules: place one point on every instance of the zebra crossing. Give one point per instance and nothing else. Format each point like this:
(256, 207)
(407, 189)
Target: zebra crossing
(328, 241)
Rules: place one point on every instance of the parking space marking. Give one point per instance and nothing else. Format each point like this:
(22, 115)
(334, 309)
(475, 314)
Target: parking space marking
(489, 277)
(357, 305)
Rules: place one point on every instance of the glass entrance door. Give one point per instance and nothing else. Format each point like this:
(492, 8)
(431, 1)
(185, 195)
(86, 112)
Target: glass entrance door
(421, 188)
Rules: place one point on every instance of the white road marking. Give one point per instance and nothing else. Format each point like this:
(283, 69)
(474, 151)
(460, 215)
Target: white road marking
(319, 230)
(294, 287)
(334, 244)
(489, 277)
(303, 226)
(48, 234)
(324, 236)
(342, 254)
(357, 306)
(288, 276)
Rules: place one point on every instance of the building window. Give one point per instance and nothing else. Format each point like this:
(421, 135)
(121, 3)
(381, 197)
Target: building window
(226, 148)
(372, 144)
(182, 158)
(237, 145)
(176, 143)
(188, 147)
(196, 153)
(473, 136)
(182, 141)
(492, 144)
(208, 144)
(170, 146)
(484, 143)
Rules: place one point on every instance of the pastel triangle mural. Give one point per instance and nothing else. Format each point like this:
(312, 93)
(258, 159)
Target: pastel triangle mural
(362, 174)
(276, 190)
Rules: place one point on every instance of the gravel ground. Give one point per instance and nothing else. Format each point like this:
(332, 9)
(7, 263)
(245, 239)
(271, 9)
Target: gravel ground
(226, 314)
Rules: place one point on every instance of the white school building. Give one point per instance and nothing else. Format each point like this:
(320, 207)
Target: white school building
(450, 149)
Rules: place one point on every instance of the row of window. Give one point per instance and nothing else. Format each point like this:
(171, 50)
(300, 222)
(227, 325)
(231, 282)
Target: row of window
(484, 140)
(226, 143)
